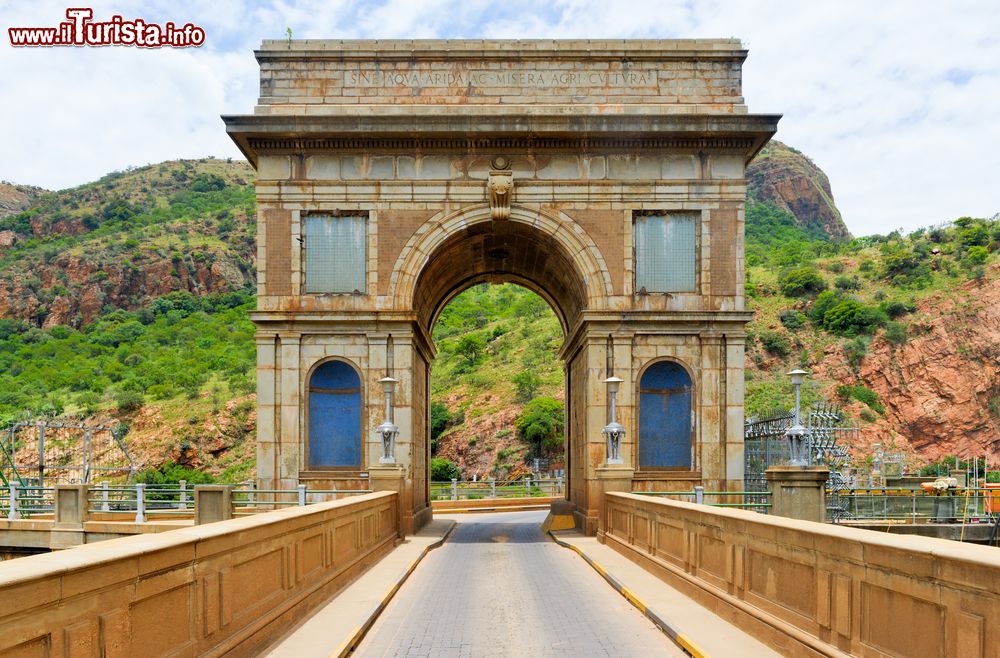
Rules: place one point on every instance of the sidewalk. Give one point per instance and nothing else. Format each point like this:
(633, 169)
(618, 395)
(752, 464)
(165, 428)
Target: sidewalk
(698, 630)
(334, 629)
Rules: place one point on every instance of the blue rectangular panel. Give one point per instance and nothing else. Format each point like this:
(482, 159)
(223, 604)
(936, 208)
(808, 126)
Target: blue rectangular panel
(665, 429)
(334, 429)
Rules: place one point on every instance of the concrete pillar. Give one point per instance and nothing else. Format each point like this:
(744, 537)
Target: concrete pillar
(212, 502)
(392, 477)
(611, 477)
(71, 505)
(798, 492)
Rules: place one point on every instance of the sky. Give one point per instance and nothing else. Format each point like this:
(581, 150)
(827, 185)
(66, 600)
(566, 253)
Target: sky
(897, 101)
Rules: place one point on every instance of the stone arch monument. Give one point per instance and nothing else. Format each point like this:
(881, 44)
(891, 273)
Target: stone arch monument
(608, 176)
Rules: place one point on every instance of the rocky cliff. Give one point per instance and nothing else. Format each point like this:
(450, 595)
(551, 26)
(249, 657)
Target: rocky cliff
(790, 180)
(67, 256)
(941, 388)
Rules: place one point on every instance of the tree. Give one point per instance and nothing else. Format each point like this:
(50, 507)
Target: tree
(440, 417)
(792, 319)
(541, 423)
(527, 383)
(470, 347)
(802, 281)
(443, 470)
(851, 317)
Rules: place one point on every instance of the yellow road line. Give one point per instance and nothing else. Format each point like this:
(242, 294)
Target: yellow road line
(690, 646)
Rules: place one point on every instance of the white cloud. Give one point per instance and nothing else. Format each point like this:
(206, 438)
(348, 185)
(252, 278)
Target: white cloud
(896, 101)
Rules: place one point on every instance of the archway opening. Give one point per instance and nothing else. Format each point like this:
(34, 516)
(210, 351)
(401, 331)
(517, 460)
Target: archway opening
(497, 388)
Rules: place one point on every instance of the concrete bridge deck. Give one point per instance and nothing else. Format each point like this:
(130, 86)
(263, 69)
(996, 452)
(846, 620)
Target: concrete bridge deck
(499, 587)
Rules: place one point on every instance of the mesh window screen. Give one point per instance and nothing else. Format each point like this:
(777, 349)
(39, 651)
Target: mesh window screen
(335, 253)
(665, 252)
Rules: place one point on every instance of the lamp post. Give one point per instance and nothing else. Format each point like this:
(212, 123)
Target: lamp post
(387, 431)
(797, 433)
(613, 432)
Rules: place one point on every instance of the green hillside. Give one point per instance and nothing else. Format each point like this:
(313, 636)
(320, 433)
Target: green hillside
(129, 297)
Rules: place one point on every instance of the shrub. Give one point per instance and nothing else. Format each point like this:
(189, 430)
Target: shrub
(540, 423)
(527, 383)
(855, 351)
(171, 474)
(895, 333)
(440, 417)
(208, 183)
(443, 470)
(974, 235)
(861, 394)
(824, 303)
(976, 255)
(128, 401)
(836, 267)
(851, 317)
(902, 266)
(897, 309)
(775, 343)
(847, 283)
(801, 281)
(792, 319)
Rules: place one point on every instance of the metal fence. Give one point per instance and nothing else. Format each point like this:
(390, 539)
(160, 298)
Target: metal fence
(971, 504)
(140, 503)
(764, 446)
(754, 501)
(66, 450)
(483, 489)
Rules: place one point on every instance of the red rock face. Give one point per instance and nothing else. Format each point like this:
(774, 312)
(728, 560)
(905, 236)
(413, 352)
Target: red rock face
(790, 180)
(941, 390)
(17, 198)
(128, 288)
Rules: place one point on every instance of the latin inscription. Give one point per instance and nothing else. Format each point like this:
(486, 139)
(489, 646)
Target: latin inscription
(534, 78)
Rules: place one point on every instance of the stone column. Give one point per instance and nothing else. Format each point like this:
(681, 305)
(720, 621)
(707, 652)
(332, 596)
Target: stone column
(71, 512)
(733, 410)
(798, 492)
(212, 502)
(392, 477)
(267, 455)
(289, 406)
(71, 503)
(612, 477)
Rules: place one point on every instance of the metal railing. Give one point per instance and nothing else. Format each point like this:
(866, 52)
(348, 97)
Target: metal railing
(711, 498)
(250, 500)
(18, 501)
(971, 504)
(488, 489)
(142, 502)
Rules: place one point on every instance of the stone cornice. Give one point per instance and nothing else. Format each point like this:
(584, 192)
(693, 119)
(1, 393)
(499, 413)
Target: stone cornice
(504, 49)
(470, 133)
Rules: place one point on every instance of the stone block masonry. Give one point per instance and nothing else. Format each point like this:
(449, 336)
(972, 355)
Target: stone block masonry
(490, 161)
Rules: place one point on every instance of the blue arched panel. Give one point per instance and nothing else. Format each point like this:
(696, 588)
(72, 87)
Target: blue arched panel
(334, 416)
(665, 417)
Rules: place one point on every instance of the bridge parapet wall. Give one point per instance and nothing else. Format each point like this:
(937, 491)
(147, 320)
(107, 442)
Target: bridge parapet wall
(221, 588)
(815, 589)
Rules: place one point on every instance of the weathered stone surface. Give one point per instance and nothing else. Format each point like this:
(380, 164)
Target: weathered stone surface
(501, 161)
(809, 588)
(227, 587)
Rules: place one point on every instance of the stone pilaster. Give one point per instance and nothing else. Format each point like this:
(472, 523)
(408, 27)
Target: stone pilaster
(797, 492)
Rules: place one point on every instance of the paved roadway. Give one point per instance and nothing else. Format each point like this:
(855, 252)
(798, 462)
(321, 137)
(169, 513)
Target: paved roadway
(499, 587)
